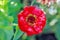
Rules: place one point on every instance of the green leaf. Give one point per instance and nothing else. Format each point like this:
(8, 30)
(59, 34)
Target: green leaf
(10, 18)
(47, 28)
(15, 7)
(2, 35)
(6, 33)
(9, 32)
(17, 34)
(57, 31)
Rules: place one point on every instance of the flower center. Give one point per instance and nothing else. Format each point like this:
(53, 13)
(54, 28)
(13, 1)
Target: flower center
(31, 19)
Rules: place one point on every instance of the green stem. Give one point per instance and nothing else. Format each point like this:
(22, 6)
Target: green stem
(33, 2)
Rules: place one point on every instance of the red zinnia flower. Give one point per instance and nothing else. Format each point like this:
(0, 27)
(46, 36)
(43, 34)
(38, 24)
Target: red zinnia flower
(31, 20)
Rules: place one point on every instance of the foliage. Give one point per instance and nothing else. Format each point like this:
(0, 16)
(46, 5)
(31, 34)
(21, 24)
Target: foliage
(9, 10)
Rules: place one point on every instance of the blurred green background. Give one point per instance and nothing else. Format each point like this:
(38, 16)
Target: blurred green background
(9, 10)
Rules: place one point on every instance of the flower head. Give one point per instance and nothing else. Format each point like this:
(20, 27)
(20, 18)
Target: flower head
(31, 20)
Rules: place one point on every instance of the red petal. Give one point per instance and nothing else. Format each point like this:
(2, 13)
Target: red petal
(30, 31)
(37, 29)
(36, 12)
